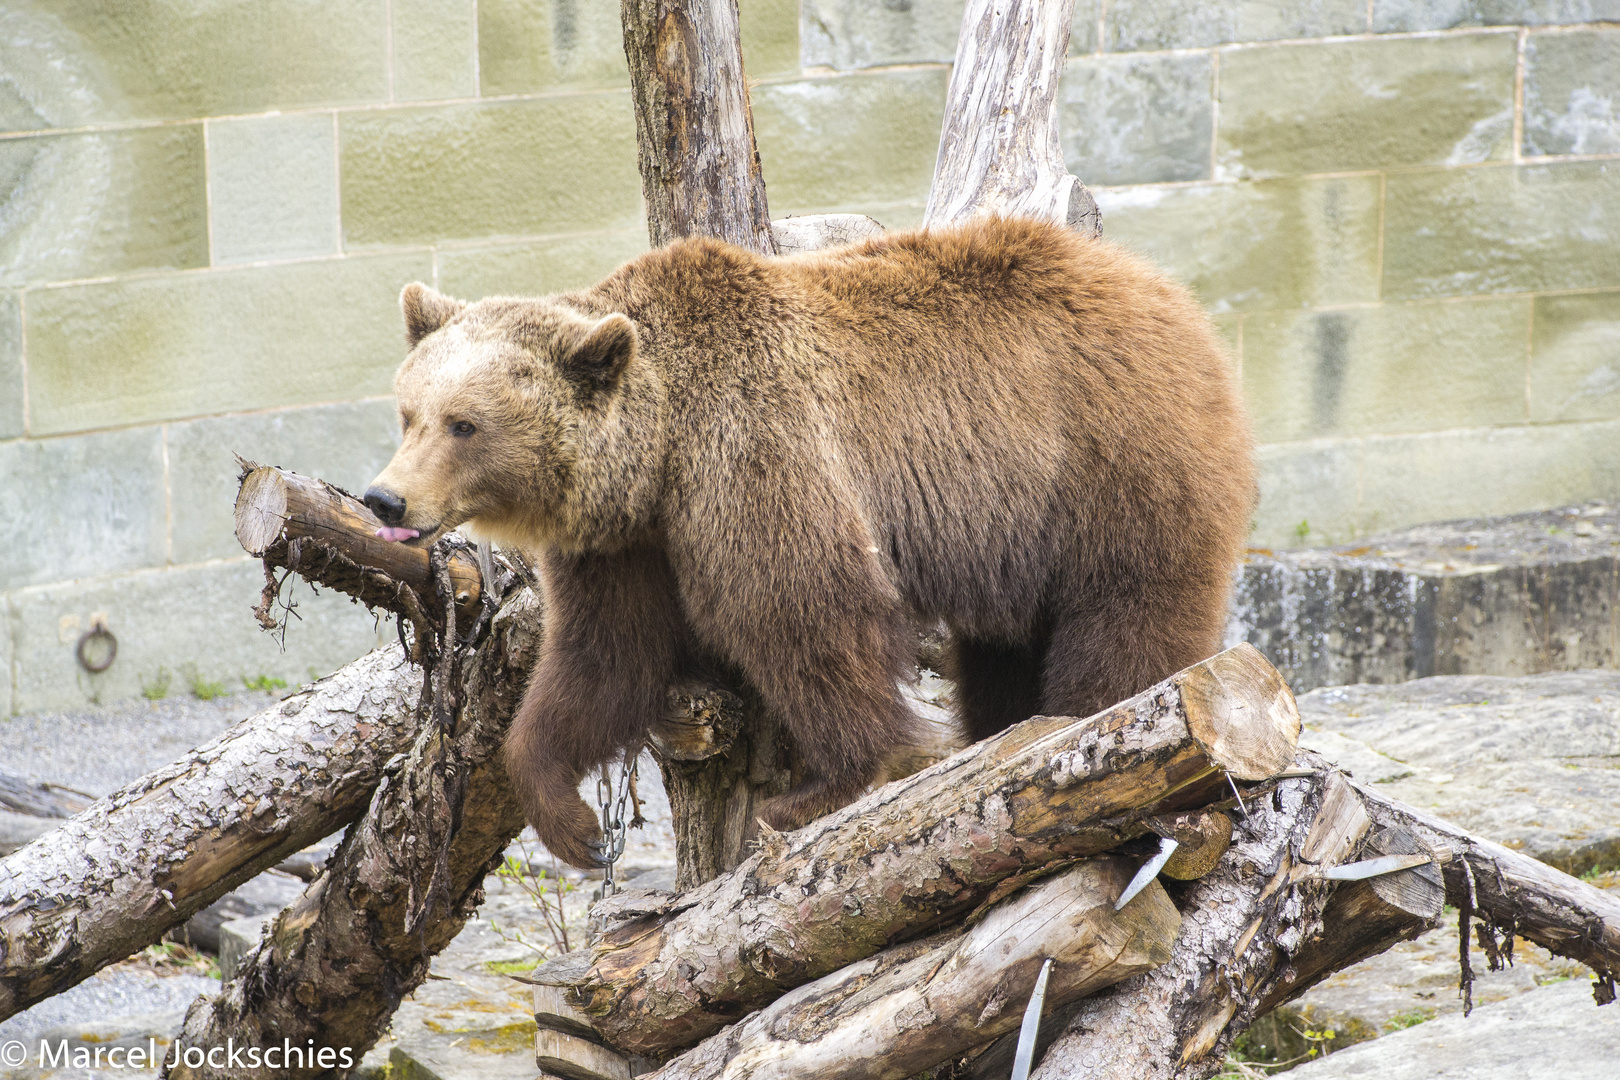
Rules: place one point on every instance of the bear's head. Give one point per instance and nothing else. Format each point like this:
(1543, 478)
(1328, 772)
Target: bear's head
(520, 417)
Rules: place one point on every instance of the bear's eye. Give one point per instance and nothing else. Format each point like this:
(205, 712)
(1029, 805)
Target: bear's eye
(462, 428)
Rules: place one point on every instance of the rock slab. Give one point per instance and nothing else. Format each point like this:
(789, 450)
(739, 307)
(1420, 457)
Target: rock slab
(1553, 1033)
(1501, 596)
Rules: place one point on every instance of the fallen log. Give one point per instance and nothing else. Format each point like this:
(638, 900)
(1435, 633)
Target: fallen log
(1515, 894)
(913, 1006)
(1271, 922)
(140, 862)
(34, 798)
(925, 852)
(334, 965)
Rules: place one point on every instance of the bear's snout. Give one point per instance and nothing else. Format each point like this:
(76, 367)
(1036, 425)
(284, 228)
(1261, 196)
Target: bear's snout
(389, 508)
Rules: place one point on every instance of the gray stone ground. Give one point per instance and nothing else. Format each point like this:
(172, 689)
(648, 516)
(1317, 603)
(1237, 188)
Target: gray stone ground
(1552, 1033)
(98, 749)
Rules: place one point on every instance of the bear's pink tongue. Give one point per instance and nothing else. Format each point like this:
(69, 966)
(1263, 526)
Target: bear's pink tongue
(393, 535)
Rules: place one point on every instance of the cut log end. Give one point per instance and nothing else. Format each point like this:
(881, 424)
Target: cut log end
(1241, 713)
(261, 510)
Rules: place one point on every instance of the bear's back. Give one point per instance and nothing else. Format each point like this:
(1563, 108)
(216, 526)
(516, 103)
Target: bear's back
(989, 393)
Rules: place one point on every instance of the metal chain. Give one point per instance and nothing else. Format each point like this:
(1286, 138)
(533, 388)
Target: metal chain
(614, 826)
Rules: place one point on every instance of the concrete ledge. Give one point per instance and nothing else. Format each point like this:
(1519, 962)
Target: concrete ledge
(1500, 596)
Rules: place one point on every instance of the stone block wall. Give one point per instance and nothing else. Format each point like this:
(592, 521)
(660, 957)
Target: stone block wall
(1404, 215)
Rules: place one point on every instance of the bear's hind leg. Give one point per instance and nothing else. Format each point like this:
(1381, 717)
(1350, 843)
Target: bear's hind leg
(844, 712)
(1111, 647)
(996, 684)
(613, 636)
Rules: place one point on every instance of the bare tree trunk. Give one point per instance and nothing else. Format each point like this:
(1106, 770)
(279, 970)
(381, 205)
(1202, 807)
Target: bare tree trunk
(999, 150)
(913, 1006)
(700, 173)
(927, 851)
(694, 131)
(145, 859)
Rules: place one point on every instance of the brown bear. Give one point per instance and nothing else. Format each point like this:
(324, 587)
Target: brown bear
(781, 464)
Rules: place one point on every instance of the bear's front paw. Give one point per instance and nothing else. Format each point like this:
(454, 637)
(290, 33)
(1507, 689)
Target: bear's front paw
(573, 835)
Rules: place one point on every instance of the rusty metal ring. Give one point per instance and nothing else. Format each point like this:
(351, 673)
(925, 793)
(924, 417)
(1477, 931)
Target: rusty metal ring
(96, 633)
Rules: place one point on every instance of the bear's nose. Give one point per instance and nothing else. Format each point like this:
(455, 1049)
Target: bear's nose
(389, 508)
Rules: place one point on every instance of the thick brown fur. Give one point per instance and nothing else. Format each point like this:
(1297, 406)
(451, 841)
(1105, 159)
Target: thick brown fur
(782, 464)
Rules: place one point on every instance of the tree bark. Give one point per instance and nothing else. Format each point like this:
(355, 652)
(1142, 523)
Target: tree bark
(694, 131)
(913, 1006)
(924, 853)
(335, 965)
(145, 859)
(999, 150)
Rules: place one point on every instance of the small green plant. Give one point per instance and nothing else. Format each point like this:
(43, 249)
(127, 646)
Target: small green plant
(174, 956)
(201, 688)
(265, 684)
(157, 688)
(1410, 1018)
(1303, 529)
(548, 891)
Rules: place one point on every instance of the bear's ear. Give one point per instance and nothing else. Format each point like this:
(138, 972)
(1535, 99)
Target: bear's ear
(425, 310)
(599, 355)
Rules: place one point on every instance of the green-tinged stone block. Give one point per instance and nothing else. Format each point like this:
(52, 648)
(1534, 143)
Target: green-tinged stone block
(851, 143)
(435, 49)
(37, 89)
(1257, 246)
(1340, 106)
(511, 168)
(272, 184)
(1308, 493)
(1130, 25)
(346, 445)
(1134, 119)
(1230, 327)
(160, 59)
(529, 46)
(11, 366)
(162, 348)
(538, 268)
(850, 34)
(1392, 16)
(1391, 368)
(183, 619)
(81, 507)
(1575, 357)
(770, 37)
(853, 34)
(1571, 90)
(1409, 479)
(1083, 28)
(88, 205)
(1530, 228)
